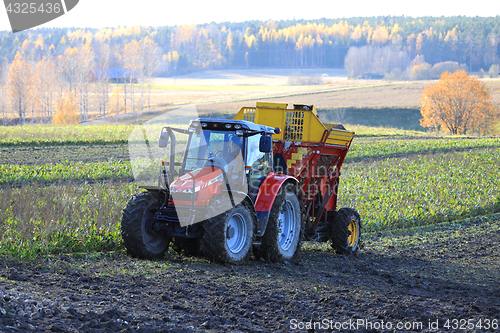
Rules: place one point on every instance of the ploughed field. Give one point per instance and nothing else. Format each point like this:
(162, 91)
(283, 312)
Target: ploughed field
(431, 228)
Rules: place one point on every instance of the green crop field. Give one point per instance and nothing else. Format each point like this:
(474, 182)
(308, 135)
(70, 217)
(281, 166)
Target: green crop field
(38, 219)
(423, 188)
(377, 148)
(62, 189)
(45, 173)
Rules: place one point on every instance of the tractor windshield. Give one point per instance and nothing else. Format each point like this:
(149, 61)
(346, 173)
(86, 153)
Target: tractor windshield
(258, 160)
(207, 146)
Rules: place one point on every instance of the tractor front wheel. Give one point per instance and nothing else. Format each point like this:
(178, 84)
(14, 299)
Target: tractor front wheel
(345, 231)
(281, 240)
(138, 237)
(228, 237)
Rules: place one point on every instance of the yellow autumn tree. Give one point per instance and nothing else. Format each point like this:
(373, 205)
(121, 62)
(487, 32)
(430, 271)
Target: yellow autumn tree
(66, 110)
(458, 103)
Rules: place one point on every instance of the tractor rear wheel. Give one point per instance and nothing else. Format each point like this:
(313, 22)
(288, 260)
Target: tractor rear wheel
(281, 240)
(138, 237)
(345, 231)
(228, 237)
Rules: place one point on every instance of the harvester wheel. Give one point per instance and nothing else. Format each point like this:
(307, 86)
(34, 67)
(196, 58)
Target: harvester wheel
(345, 231)
(228, 237)
(281, 240)
(138, 238)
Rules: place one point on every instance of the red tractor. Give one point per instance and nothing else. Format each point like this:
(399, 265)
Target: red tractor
(245, 186)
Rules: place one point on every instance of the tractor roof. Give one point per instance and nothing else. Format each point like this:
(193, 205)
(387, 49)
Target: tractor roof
(221, 125)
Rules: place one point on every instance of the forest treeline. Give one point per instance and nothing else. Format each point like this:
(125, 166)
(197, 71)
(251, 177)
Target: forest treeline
(391, 47)
(473, 41)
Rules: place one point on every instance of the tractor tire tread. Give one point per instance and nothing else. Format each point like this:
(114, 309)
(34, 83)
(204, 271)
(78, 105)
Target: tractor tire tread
(269, 248)
(131, 226)
(213, 241)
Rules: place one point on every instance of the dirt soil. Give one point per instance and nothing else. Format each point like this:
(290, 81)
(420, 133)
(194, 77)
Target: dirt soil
(63, 154)
(442, 277)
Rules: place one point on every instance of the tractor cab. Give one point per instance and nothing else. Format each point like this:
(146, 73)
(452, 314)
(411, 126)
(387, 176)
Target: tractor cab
(238, 150)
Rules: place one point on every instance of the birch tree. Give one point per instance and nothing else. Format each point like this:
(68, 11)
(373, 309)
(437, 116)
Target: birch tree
(4, 72)
(103, 84)
(85, 64)
(18, 85)
(152, 58)
(68, 65)
(131, 59)
(46, 85)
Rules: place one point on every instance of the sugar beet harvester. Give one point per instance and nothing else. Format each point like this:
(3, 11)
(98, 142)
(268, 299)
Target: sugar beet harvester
(260, 182)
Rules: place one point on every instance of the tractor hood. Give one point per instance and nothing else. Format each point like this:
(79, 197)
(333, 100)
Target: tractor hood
(197, 180)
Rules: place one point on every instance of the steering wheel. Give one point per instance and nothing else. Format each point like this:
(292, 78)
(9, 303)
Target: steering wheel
(218, 162)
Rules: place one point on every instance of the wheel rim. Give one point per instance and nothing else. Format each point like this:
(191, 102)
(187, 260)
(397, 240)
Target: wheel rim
(152, 240)
(236, 233)
(353, 237)
(286, 226)
(150, 237)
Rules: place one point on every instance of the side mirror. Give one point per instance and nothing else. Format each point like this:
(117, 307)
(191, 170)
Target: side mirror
(265, 144)
(163, 142)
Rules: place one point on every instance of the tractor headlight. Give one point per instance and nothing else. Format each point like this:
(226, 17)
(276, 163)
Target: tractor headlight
(204, 125)
(195, 123)
(228, 126)
(237, 126)
(174, 190)
(188, 190)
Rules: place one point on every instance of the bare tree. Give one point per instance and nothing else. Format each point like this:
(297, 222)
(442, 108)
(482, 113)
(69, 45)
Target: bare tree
(29, 51)
(40, 80)
(152, 59)
(121, 74)
(4, 72)
(45, 84)
(131, 57)
(141, 67)
(68, 64)
(375, 60)
(85, 64)
(103, 76)
(18, 85)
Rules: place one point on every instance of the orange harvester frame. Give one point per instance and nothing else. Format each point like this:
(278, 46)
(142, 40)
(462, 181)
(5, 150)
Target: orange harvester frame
(307, 149)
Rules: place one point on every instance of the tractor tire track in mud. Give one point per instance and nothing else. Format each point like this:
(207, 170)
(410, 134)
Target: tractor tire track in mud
(447, 272)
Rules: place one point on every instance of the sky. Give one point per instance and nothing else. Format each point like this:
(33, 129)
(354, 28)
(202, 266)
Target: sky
(112, 13)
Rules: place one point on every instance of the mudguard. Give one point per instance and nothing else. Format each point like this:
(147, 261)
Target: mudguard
(265, 199)
(224, 202)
